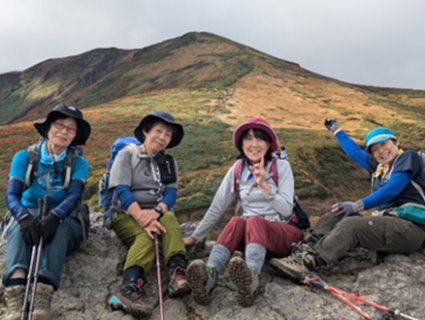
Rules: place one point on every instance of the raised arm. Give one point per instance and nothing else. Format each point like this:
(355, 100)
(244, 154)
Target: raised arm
(351, 148)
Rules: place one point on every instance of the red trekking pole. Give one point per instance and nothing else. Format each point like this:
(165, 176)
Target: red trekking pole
(342, 295)
(158, 270)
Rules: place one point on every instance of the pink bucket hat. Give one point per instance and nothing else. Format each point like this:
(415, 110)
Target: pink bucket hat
(258, 123)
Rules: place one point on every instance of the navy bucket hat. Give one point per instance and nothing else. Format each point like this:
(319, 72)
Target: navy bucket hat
(378, 135)
(165, 117)
(67, 111)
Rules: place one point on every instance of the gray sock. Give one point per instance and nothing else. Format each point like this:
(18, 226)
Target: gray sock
(254, 256)
(219, 257)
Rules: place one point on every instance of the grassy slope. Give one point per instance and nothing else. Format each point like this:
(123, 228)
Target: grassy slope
(221, 84)
(206, 151)
(104, 75)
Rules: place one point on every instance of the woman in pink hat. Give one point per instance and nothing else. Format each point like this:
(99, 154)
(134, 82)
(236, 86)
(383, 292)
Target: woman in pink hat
(262, 229)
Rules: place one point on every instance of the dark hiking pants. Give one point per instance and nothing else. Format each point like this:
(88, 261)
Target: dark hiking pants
(67, 240)
(335, 236)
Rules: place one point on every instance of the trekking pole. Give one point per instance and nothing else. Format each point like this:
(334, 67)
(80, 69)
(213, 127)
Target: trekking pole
(31, 268)
(317, 281)
(37, 262)
(320, 283)
(158, 270)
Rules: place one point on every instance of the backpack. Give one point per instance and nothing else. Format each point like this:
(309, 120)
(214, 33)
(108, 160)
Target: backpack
(116, 147)
(164, 161)
(105, 194)
(298, 216)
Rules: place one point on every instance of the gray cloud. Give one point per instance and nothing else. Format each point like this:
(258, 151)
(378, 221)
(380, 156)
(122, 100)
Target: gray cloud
(377, 42)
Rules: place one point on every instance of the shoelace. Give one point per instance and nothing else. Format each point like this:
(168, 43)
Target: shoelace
(137, 286)
(296, 247)
(299, 247)
(137, 289)
(178, 274)
(298, 259)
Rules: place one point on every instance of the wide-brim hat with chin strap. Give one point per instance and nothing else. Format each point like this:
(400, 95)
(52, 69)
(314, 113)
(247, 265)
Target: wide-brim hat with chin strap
(378, 135)
(165, 117)
(83, 127)
(257, 123)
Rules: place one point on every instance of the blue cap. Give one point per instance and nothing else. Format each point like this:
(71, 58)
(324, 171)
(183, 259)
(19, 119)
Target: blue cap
(378, 135)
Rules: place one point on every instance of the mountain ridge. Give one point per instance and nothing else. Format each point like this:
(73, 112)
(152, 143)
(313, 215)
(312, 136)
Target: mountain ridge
(194, 60)
(78, 78)
(211, 85)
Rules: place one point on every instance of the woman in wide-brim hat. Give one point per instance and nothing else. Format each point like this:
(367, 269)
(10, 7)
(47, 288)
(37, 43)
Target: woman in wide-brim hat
(262, 229)
(397, 180)
(68, 111)
(36, 172)
(147, 190)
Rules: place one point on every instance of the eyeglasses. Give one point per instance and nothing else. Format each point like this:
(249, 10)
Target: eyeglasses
(60, 126)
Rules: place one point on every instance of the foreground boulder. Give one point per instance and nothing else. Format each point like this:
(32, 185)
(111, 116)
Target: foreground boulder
(93, 274)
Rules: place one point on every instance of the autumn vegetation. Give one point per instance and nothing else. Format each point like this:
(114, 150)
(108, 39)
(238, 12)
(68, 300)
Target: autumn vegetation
(211, 85)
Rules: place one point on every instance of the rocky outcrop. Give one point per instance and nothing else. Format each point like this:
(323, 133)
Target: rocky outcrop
(91, 275)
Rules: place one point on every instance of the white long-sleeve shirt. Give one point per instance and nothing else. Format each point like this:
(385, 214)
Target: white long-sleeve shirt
(277, 204)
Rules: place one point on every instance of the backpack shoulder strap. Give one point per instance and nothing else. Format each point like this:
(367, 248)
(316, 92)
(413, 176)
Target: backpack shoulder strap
(134, 153)
(388, 174)
(33, 155)
(236, 179)
(417, 186)
(68, 165)
(272, 170)
(421, 154)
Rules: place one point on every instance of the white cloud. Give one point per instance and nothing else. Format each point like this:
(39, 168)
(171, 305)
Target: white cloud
(375, 42)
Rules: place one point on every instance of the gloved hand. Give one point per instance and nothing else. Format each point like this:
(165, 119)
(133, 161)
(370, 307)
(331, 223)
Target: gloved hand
(346, 209)
(49, 225)
(30, 230)
(331, 124)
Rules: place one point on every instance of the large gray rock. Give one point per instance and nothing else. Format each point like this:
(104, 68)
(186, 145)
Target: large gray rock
(93, 274)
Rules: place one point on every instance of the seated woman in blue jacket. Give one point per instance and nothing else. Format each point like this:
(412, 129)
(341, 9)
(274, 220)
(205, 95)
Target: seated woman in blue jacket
(61, 229)
(398, 179)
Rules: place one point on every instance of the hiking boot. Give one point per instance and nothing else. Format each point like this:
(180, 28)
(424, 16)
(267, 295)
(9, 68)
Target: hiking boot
(300, 247)
(43, 302)
(178, 285)
(131, 298)
(14, 297)
(202, 279)
(245, 279)
(296, 268)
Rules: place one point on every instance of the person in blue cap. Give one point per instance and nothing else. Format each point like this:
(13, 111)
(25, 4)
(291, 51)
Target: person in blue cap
(397, 179)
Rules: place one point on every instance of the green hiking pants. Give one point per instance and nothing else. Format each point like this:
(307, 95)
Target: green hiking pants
(335, 236)
(142, 247)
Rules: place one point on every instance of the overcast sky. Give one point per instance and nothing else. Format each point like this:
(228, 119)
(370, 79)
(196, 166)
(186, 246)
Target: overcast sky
(374, 42)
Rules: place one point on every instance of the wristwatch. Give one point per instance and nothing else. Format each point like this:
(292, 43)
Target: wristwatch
(160, 211)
